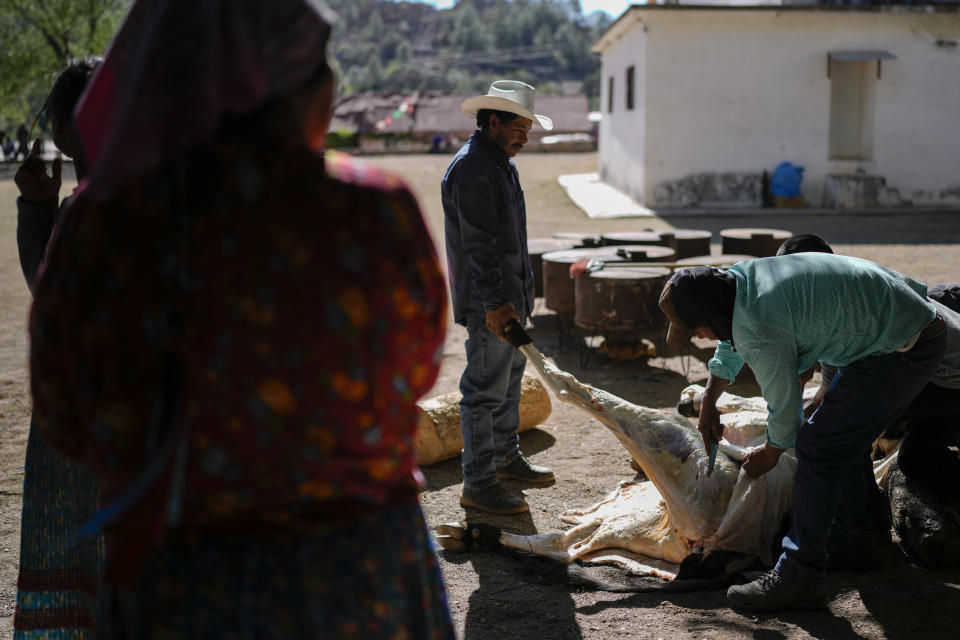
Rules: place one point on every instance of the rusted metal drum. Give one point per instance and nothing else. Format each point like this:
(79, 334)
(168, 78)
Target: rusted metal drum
(539, 246)
(724, 260)
(647, 236)
(761, 243)
(687, 242)
(616, 299)
(644, 253)
(582, 239)
(558, 289)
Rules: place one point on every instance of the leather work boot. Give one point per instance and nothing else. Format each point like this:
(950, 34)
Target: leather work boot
(773, 592)
(493, 499)
(521, 469)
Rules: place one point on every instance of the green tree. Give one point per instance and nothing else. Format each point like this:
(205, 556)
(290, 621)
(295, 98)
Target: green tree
(375, 26)
(470, 33)
(39, 37)
(543, 42)
(372, 73)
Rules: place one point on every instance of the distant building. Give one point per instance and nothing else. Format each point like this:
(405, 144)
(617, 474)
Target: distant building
(397, 122)
(699, 100)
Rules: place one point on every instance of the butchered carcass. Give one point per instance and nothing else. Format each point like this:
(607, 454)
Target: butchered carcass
(681, 509)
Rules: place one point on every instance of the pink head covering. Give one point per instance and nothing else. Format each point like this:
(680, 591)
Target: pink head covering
(176, 66)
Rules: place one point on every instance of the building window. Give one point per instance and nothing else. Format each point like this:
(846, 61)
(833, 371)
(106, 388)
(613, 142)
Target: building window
(610, 94)
(629, 88)
(852, 87)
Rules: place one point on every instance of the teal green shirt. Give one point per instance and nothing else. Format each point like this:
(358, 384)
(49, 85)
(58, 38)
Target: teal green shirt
(793, 311)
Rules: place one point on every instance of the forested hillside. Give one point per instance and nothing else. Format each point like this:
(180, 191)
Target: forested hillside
(404, 46)
(377, 45)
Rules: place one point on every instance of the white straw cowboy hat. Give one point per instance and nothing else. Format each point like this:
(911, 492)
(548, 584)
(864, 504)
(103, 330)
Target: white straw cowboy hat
(507, 95)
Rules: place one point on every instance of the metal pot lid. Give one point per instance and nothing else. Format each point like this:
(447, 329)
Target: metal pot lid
(582, 238)
(633, 273)
(722, 260)
(686, 234)
(631, 237)
(644, 252)
(755, 233)
(537, 246)
(570, 256)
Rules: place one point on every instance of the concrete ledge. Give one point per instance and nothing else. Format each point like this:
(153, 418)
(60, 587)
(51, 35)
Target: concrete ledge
(806, 212)
(599, 200)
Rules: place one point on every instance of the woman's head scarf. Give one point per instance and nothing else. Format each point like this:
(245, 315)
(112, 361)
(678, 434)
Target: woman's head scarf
(176, 66)
(699, 297)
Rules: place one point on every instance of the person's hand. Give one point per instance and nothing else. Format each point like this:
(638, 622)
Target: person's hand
(497, 319)
(813, 403)
(709, 425)
(761, 459)
(32, 179)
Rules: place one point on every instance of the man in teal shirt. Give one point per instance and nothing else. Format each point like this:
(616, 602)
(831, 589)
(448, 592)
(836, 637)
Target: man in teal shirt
(782, 315)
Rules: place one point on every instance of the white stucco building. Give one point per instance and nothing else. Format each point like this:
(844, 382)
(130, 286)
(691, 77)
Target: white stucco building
(699, 100)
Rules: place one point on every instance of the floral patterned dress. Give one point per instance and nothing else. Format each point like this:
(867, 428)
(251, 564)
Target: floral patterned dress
(243, 336)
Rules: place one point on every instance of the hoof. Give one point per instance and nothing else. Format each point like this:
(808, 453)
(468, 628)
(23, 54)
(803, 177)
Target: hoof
(452, 529)
(452, 544)
(462, 536)
(450, 537)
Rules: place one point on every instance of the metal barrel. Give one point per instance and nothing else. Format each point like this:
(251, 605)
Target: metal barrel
(536, 247)
(558, 289)
(687, 242)
(616, 299)
(761, 243)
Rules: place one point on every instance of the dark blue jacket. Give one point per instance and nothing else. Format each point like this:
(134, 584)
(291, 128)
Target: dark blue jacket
(485, 224)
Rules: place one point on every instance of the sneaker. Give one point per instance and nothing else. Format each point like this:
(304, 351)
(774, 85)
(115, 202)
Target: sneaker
(521, 469)
(773, 592)
(493, 499)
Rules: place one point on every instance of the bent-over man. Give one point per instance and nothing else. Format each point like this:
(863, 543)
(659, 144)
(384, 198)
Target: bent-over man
(781, 315)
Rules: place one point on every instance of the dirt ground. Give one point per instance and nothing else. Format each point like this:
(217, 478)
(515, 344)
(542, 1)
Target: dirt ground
(488, 594)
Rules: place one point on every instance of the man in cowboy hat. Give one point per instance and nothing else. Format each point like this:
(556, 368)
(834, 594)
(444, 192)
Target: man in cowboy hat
(782, 315)
(485, 224)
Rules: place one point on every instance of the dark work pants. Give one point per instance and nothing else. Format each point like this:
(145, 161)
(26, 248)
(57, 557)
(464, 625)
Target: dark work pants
(864, 398)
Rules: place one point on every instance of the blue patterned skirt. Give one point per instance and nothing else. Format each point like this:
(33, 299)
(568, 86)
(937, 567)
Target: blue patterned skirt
(371, 577)
(59, 580)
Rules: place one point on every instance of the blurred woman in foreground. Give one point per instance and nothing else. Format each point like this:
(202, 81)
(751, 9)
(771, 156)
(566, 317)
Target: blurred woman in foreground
(242, 327)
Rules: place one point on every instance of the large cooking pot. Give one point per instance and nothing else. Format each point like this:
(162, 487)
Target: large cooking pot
(761, 243)
(536, 247)
(558, 289)
(687, 242)
(616, 299)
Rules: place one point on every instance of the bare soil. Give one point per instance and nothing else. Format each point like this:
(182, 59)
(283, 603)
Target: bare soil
(489, 595)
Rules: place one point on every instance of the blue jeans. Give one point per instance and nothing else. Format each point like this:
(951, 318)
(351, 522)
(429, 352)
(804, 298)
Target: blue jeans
(490, 408)
(864, 399)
